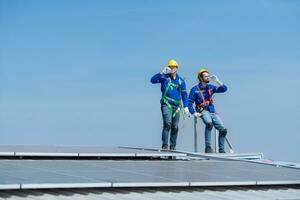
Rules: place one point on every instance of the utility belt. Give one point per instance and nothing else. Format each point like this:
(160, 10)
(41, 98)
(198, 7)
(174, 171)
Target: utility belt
(202, 105)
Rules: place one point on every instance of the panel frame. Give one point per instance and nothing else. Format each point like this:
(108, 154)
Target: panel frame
(64, 185)
(10, 186)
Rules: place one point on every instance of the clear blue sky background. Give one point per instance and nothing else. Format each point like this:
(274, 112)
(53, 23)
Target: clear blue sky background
(78, 72)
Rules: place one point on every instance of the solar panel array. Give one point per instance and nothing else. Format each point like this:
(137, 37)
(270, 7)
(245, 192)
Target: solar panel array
(129, 172)
(31, 174)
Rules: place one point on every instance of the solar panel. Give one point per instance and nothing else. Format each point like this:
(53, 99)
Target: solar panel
(78, 151)
(30, 174)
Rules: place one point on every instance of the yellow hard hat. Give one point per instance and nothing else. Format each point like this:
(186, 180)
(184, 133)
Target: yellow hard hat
(201, 71)
(173, 63)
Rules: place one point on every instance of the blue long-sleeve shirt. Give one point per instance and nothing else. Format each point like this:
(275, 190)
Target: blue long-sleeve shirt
(178, 93)
(195, 96)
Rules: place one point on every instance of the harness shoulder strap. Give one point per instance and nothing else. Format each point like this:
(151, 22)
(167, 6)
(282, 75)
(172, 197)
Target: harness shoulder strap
(168, 86)
(204, 101)
(211, 100)
(202, 96)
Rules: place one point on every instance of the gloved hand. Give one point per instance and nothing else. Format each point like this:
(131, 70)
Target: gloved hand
(186, 111)
(166, 70)
(196, 114)
(214, 78)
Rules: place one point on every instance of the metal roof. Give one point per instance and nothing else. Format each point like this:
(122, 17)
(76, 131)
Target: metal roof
(170, 193)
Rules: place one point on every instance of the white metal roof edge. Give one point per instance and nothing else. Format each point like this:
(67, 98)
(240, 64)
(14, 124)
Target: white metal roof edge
(9, 186)
(161, 154)
(106, 154)
(64, 185)
(7, 153)
(223, 183)
(29, 154)
(141, 184)
(295, 182)
(150, 184)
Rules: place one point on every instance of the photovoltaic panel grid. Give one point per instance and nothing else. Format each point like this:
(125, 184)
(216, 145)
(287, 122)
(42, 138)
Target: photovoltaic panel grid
(30, 174)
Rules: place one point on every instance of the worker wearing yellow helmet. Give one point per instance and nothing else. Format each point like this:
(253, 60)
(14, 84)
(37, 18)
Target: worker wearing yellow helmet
(173, 89)
(202, 96)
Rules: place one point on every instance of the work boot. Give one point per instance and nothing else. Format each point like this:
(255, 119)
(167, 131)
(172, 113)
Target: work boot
(208, 149)
(222, 151)
(164, 148)
(172, 148)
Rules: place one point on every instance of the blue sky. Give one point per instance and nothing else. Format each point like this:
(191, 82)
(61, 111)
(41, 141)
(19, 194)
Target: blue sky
(78, 72)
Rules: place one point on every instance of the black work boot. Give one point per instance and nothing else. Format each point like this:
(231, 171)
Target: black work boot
(172, 148)
(164, 148)
(222, 151)
(208, 149)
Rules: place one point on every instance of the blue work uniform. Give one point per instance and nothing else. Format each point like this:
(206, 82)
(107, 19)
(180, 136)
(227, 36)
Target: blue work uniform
(173, 92)
(207, 109)
(195, 96)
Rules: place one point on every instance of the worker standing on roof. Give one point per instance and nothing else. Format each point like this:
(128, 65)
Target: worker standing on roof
(173, 90)
(202, 96)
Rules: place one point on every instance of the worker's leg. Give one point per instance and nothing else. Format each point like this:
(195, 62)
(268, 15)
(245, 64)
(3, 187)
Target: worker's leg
(174, 129)
(167, 120)
(222, 131)
(206, 118)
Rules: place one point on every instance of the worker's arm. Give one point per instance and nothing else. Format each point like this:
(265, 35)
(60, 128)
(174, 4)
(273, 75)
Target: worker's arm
(192, 99)
(221, 87)
(157, 78)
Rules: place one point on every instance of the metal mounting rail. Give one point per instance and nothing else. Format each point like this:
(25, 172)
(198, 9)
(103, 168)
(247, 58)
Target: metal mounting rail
(238, 158)
(245, 157)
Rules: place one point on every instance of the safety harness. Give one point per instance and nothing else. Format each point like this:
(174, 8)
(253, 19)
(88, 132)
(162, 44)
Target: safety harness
(204, 101)
(165, 99)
